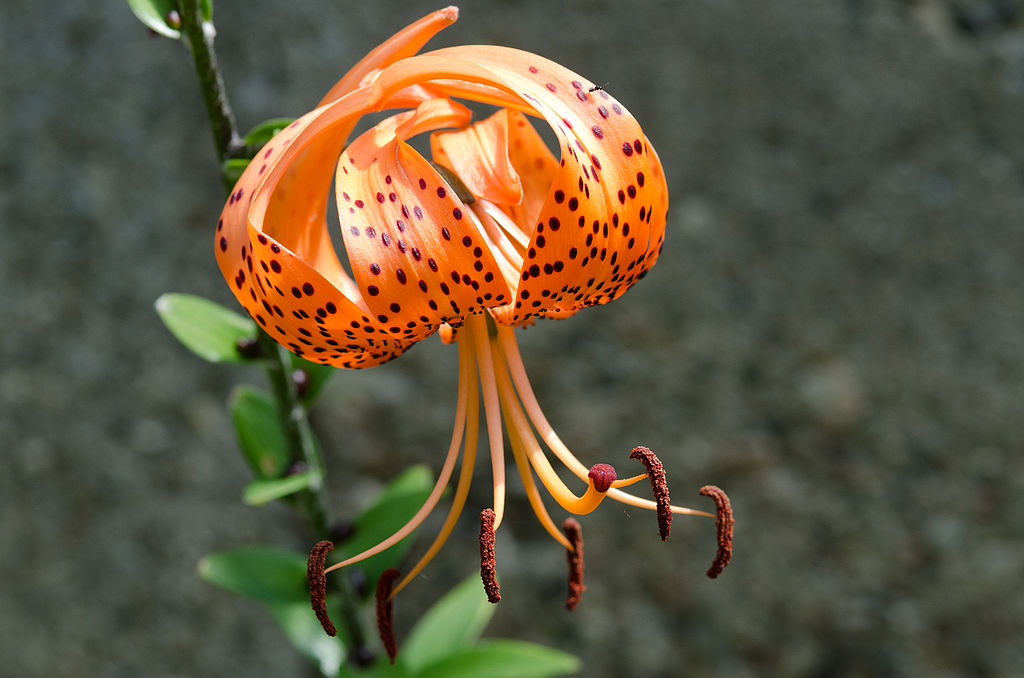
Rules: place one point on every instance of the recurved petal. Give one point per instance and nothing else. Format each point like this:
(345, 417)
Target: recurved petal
(604, 217)
(271, 247)
(416, 254)
(402, 44)
(479, 156)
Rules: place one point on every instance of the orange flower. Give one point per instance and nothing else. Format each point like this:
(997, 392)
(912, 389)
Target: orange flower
(493, 234)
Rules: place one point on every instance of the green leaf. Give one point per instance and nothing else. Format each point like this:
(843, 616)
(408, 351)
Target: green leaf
(305, 633)
(266, 574)
(455, 622)
(259, 431)
(206, 328)
(259, 492)
(265, 131)
(390, 511)
(503, 659)
(318, 375)
(155, 13)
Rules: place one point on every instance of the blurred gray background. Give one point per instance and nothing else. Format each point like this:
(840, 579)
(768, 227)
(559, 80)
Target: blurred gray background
(834, 334)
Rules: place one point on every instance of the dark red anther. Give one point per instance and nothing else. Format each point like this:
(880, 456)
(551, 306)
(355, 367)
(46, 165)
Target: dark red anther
(724, 521)
(487, 562)
(574, 533)
(603, 476)
(656, 474)
(385, 627)
(318, 584)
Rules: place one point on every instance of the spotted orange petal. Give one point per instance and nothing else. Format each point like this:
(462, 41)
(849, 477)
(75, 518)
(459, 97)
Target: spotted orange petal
(415, 252)
(478, 154)
(603, 214)
(277, 274)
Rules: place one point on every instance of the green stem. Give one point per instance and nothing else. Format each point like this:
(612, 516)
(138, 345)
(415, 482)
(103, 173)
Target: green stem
(298, 432)
(302, 446)
(199, 37)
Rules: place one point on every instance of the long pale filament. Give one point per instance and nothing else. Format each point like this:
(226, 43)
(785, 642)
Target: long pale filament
(510, 262)
(465, 376)
(517, 421)
(532, 493)
(462, 485)
(509, 227)
(506, 337)
(476, 327)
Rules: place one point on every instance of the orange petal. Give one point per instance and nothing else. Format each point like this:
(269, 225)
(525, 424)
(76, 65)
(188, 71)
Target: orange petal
(604, 217)
(278, 268)
(402, 44)
(415, 252)
(536, 167)
(478, 155)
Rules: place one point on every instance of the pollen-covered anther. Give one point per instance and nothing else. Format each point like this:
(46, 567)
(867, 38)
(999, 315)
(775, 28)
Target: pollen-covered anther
(656, 474)
(487, 562)
(318, 584)
(602, 475)
(724, 521)
(574, 533)
(385, 627)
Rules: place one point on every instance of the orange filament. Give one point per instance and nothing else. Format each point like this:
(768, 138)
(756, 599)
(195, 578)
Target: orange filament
(465, 375)
(506, 337)
(476, 328)
(461, 487)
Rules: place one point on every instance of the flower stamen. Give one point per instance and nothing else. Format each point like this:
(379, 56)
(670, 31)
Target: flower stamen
(476, 328)
(461, 486)
(724, 521)
(574, 557)
(532, 493)
(462, 406)
(318, 584)
(487, 561)
(384, 612)
(656, 473)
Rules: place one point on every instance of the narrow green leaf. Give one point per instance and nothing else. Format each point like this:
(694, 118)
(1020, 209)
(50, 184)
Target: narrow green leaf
(455, 622)
(318, 376)
(206, 328)
(265, 131)
(156, 13)
(266, 574)
(305, 633)
(503, 659)
(390, 511)
(259, 492)
(259, 432)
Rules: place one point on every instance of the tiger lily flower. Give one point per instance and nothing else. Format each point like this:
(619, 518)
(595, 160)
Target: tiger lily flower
(493, 234)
